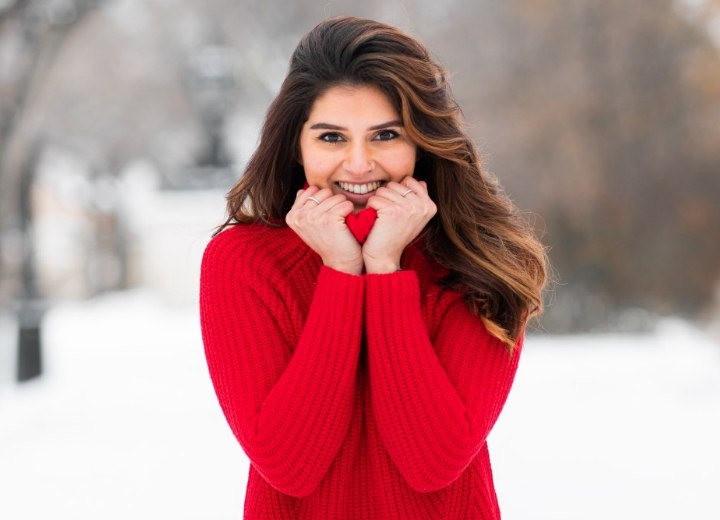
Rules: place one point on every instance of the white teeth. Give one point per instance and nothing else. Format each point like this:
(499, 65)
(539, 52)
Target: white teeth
(360, 189)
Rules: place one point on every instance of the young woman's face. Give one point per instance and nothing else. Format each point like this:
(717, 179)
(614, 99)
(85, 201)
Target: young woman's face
(354, 142)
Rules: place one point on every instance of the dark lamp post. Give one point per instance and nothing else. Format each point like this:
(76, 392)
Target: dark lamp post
(30, 307)
(213, 86)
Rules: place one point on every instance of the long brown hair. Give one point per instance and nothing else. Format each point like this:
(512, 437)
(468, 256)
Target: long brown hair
(477, 234)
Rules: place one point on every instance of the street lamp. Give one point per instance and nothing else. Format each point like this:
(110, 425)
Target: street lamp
(30, 307)
(213, 89)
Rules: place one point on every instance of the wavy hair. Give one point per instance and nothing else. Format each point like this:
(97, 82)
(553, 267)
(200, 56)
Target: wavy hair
(490, 251)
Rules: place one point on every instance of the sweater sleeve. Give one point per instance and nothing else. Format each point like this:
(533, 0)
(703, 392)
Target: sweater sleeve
(289, 408)
(434, 404)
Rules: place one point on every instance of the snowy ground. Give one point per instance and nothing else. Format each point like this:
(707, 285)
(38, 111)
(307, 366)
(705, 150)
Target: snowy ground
(621, 427)
(125, 424)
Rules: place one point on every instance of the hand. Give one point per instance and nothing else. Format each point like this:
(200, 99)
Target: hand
(400, 219)
(321, 225)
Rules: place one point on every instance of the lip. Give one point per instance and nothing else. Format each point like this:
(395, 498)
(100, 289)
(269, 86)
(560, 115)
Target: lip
(358, 199)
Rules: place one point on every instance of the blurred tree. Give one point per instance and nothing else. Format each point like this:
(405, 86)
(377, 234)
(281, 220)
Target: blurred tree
(603, 117)
(35, 31)
(600, 116)
(32, 33)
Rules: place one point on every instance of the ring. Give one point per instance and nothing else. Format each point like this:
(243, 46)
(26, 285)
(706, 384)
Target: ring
(408, 191)
(314, 200)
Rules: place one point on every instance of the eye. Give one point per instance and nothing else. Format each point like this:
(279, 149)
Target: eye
(330, 137)
(386, 135)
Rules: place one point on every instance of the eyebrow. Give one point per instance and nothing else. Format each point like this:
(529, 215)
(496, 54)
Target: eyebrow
(328, 126)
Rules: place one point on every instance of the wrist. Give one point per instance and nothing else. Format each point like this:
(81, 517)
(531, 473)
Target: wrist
(382, 265)
(351, 267)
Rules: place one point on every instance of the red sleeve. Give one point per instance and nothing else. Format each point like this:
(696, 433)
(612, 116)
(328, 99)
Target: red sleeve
(434, 404)
(289, 408)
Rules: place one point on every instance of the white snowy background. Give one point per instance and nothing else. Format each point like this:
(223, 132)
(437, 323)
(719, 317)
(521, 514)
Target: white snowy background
(124, 422)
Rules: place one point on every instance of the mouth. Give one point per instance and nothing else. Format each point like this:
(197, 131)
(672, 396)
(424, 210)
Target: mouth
(359, 189)
(358, 193)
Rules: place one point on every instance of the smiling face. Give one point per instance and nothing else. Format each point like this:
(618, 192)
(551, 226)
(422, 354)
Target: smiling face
(354, 142)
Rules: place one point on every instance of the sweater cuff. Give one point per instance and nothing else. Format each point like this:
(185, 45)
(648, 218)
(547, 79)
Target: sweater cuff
(395, 291)
(335, 285)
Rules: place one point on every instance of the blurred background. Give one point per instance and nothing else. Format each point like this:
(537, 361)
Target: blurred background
(123, 123)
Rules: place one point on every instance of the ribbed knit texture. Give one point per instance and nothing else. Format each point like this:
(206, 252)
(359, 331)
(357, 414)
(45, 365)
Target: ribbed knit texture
(354, 397)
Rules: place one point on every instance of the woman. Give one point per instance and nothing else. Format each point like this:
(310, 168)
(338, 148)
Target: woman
(363, 309)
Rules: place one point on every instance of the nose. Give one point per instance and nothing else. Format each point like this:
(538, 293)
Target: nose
(358, 160)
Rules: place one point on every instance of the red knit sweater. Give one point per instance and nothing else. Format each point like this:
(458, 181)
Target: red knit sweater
(354, 397)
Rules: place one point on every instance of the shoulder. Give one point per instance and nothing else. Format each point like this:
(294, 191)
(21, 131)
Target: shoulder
(254, 248)
(244, 236)
(428, 271)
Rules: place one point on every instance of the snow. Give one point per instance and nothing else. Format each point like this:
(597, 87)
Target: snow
(612, 427)
(125, 424)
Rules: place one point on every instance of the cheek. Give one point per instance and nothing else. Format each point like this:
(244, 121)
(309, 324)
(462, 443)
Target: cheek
(318, 169)
(314, 162)
(401, 163)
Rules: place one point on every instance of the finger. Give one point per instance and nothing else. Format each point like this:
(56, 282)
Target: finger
(396, 186)
(391, 191)
(399, 192)
(343, 208)
(301, 192)
(331, 202)
(379, 203)
(412, 183)
(302, 196)
(314, 198)
(419, 187)
(309, 201)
